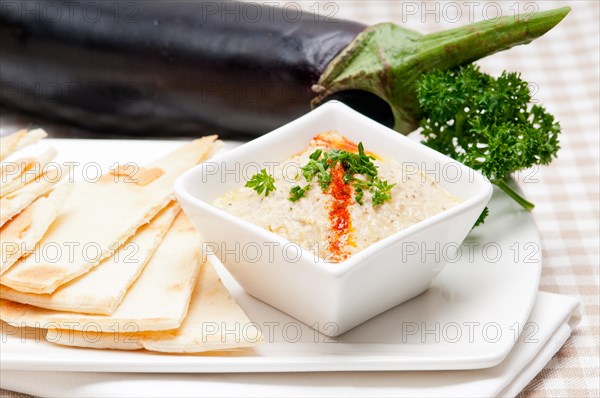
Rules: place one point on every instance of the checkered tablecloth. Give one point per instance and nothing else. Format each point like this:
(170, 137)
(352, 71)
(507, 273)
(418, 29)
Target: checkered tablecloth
(563, 67)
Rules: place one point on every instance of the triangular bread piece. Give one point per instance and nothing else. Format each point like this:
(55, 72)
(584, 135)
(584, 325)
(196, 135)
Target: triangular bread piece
(102, 289)
(214, 322)
(19, 236)
(15, 202)
(158, 300)
(22, 138)
(101, 216)
(14, 175)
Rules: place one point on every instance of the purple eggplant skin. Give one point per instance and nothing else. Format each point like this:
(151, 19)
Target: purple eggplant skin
(166, 68)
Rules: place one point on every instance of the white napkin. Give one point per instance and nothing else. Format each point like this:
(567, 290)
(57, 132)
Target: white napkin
(552, 313)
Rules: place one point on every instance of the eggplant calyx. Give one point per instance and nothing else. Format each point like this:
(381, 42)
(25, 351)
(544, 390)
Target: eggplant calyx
(387, 60)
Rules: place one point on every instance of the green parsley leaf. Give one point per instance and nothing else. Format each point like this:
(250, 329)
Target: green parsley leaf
(316, 154)
(482, 217)
(296, 192)
(313, 168)
(262, 182)
(381, 191)
(359, 195)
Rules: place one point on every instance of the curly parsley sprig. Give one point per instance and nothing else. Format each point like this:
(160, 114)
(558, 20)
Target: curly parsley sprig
(487, 123)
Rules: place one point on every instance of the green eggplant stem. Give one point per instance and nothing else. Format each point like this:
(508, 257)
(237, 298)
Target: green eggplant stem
(387, 60)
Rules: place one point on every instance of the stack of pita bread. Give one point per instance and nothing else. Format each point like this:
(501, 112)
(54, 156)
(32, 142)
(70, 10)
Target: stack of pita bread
(113, 263)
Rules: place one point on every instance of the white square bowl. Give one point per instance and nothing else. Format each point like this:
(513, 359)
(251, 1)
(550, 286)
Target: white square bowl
(331, 297)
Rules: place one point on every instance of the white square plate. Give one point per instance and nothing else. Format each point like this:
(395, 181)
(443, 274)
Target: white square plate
(470, 318)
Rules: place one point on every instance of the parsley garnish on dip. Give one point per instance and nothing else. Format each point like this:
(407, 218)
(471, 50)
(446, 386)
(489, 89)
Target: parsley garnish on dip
(336, 199)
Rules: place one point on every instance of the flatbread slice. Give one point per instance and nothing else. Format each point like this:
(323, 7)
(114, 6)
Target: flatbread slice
(15, 202)
(14, 175)
(214, 322)
(100, 216)
(158, 300)
(102, 289)
(19, 236)
(20, 139)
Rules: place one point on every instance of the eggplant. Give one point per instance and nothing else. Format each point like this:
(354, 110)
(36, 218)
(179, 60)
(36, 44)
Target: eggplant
(173, 68)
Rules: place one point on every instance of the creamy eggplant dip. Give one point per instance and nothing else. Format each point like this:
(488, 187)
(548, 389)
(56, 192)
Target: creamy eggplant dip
(336, 199)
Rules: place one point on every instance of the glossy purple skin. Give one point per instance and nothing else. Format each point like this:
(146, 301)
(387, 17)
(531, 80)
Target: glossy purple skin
(165, 68)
